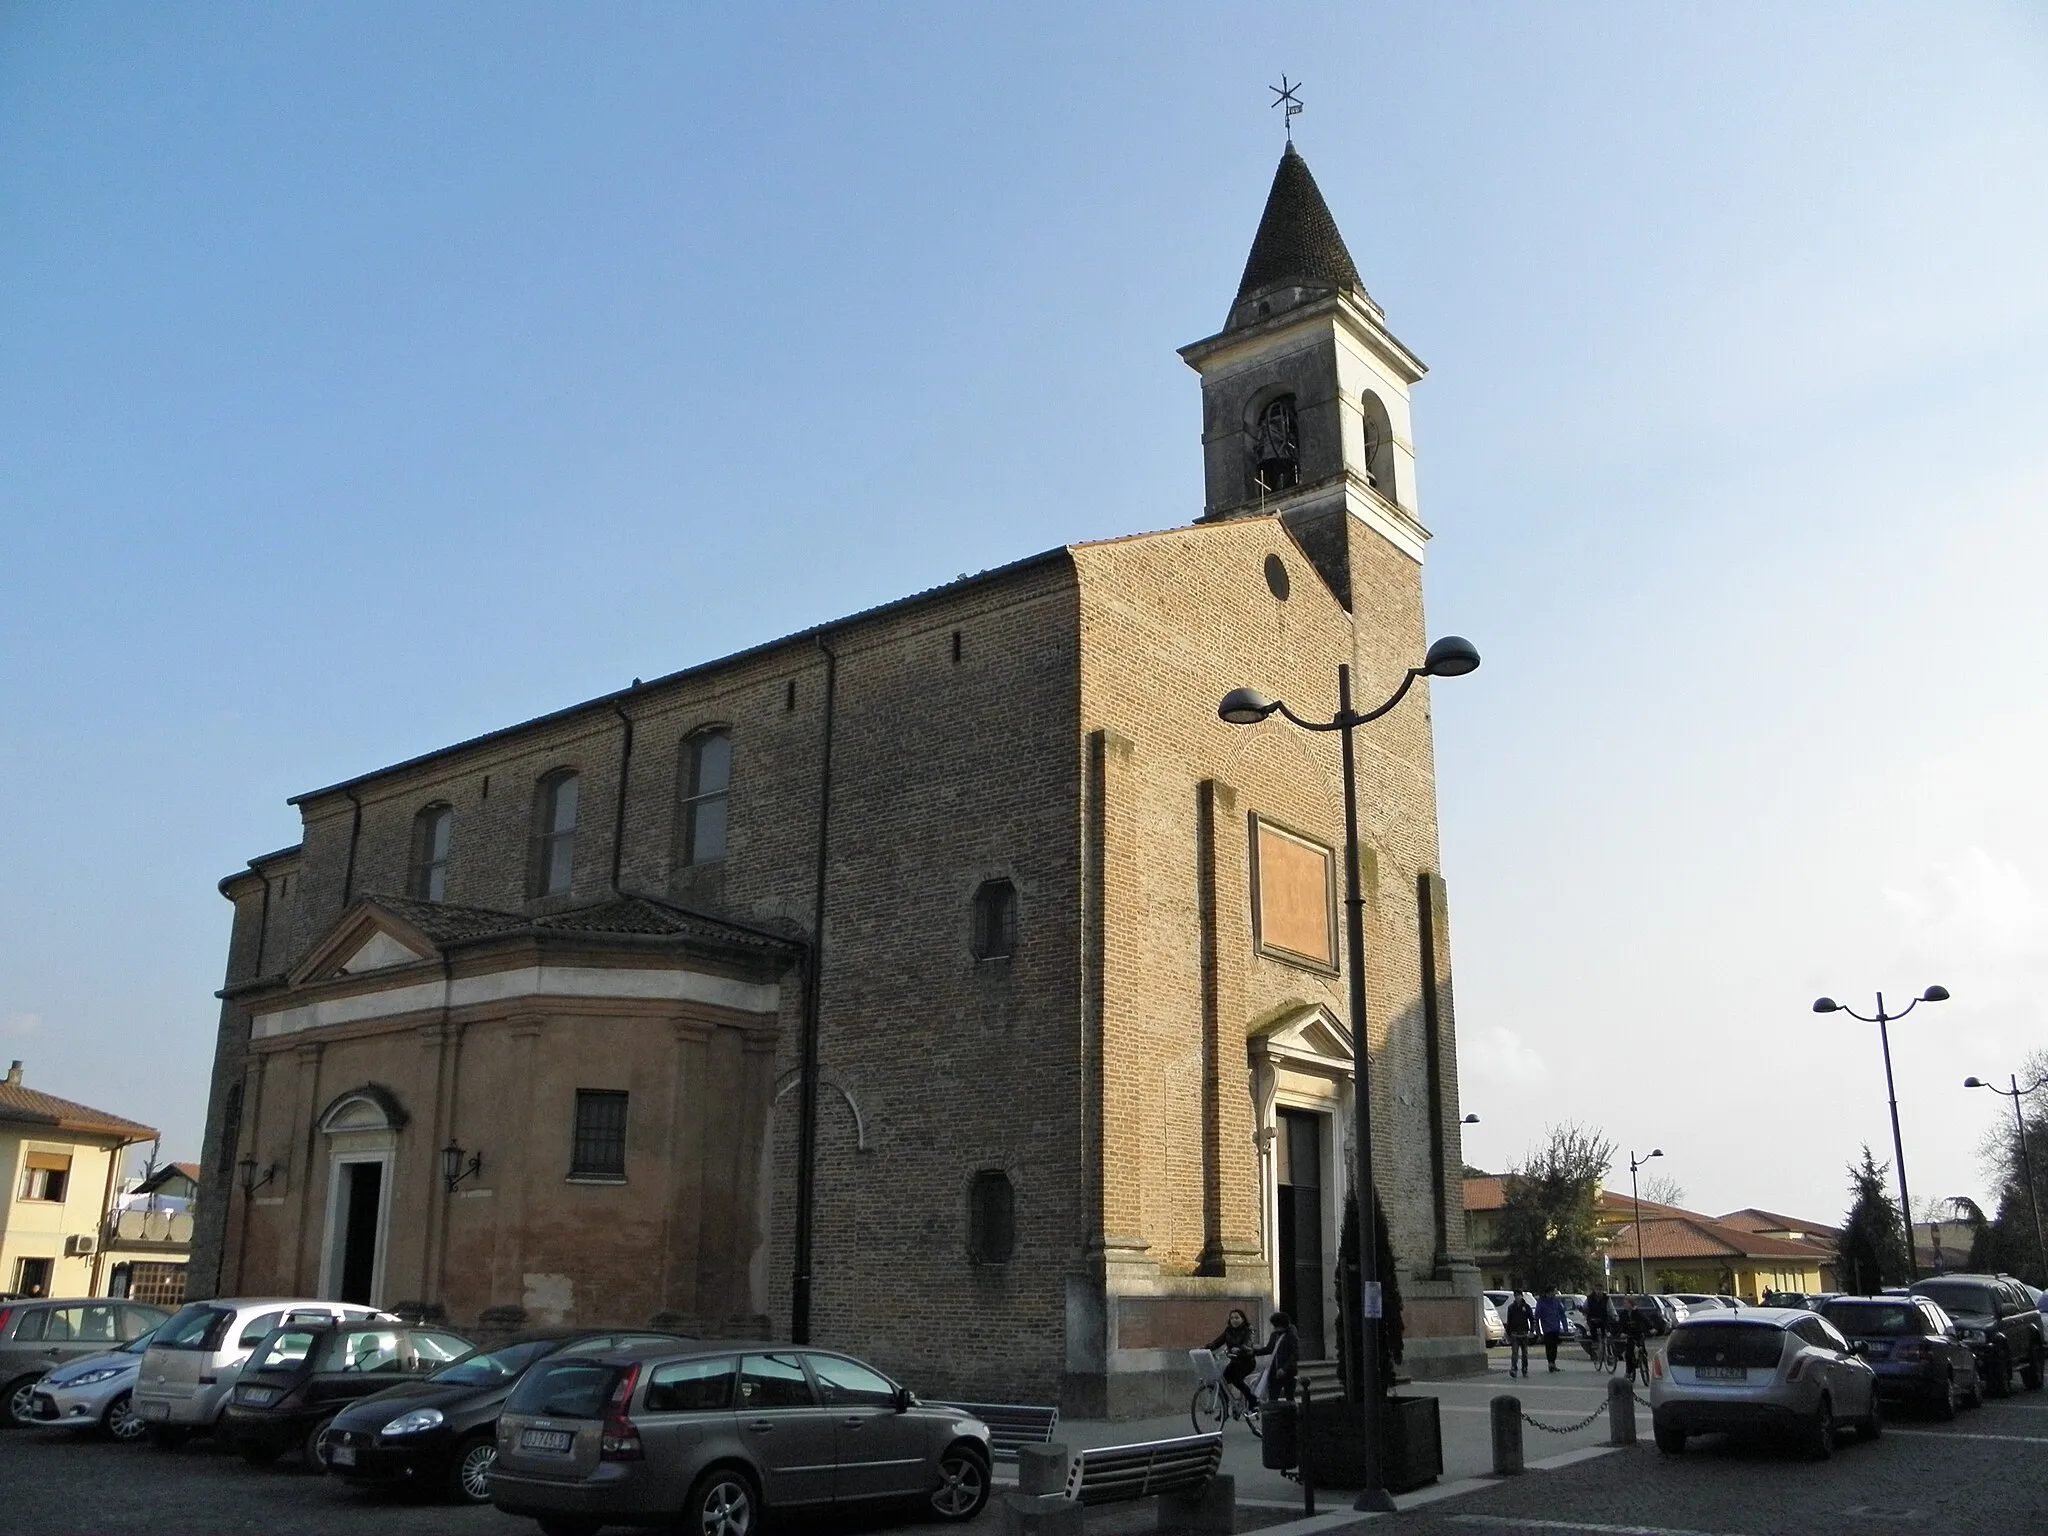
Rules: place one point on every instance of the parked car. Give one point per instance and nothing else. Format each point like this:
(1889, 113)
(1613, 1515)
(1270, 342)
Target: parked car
(1998, 1321)
(36, 1336)
(1496, 1330)
(191, 1364)
(1919, 1355)
(97, 1392)
(723, 1433)
(441, 1431)
(312, 1366)
(1772, 1370)
(1658, 1314)
(1698, 1304)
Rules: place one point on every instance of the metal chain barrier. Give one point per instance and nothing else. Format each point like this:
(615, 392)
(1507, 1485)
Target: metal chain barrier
(1565, 1429)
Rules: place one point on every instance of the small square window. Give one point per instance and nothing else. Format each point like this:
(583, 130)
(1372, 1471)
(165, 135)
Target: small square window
(600, 1151)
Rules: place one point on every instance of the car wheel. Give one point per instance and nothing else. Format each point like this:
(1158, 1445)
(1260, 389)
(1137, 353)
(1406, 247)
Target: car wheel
(2030, 1375)
(14, 1407)
(1820, 1435)
(1670, 1441)
(963, 1484)
(1948, 1400)
(469, 1473)
(316, 1441)
(722, 1504)
(1974, 1397)
(1999, 1382)
(168, 1437)
(121, 1422)
(1871, 1425)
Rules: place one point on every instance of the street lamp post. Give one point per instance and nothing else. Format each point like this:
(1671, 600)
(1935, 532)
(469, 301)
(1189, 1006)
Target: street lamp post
(1449, 657)
(1883, 1021)
(2019, 1124)
(1635, 1190)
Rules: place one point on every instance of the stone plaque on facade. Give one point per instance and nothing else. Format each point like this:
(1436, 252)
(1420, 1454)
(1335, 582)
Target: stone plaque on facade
(1294, 907)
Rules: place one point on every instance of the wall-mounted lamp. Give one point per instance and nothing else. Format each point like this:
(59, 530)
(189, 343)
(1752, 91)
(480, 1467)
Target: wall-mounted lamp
(251, 1180)
(453, 1170)
(1469, 1120)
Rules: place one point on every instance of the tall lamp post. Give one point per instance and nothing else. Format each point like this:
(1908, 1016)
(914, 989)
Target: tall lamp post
(1635, 1190)
(1883, 1022)
(2019, 1125)
(1449, 657)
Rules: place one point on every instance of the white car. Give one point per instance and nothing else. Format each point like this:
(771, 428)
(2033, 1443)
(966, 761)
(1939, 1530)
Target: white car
(191, 1364)
(94, 1393)
(1496, 1330)
(1763, 1369)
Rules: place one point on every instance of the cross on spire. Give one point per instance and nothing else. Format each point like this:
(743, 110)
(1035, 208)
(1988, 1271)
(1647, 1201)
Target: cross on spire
(1283, 96)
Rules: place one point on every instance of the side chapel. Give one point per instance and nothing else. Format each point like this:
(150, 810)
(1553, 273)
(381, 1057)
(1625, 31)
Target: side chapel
(519, 1029)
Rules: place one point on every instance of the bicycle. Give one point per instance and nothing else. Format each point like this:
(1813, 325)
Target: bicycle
(1600, 1350)
(1637, 1359)
(1216, 1402)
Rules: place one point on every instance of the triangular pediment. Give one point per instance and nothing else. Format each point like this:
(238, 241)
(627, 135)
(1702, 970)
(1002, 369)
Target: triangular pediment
(368, 937)
(1313, 1033)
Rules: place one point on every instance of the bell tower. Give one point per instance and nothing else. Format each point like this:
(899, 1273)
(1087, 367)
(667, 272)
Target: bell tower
(1305, 392)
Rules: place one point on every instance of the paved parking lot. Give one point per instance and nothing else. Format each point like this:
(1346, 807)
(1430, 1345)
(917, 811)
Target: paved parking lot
(1986, 1474)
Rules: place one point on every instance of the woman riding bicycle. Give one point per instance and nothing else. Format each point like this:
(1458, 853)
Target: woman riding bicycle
(1238, 1339)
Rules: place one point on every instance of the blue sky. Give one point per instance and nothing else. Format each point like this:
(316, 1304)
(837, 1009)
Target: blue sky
(374, 375)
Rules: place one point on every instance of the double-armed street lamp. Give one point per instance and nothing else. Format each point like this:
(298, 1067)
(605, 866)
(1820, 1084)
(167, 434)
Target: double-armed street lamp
(2019, 1125)
(1883, 1021)
(1449, 657)
(1634, 1165)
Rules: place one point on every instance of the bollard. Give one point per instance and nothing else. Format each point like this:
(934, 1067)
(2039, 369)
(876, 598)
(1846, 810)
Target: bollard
(1621, 1412)
(1308, 1483)
(1507, 1436)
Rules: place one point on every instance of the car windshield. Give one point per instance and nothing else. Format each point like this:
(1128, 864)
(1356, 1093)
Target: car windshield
(497, 1366)
(1879, 1320)
(195, 1327)
(1956, 1296)
(137, 1346)
(365, 1350)
(1755, 1345)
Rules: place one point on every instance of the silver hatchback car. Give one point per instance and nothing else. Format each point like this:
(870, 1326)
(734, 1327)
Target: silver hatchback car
(1762, 1369)
(717, 1433)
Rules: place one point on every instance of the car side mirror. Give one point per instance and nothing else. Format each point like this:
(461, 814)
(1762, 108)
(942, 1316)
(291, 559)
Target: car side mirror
(1858, 1347)
(905, 1400)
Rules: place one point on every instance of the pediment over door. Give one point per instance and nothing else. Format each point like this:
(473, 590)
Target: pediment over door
(1312, 1040)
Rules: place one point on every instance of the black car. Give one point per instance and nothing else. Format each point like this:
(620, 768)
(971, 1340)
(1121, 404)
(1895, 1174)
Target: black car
(441, 1431)
(1918, 1354)
(1998, 1320)
(311, 1367)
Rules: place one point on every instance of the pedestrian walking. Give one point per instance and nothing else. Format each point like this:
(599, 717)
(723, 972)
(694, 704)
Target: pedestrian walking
(1550, 1321)
(1521, 1321)
(1285, 1348)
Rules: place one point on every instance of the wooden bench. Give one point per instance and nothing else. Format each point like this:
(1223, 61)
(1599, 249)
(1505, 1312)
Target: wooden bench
(1117, 1474)
(1011, 1425)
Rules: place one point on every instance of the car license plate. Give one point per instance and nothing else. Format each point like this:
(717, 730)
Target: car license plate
(156, 1410)
(42, 1406)
(544, 1439)
(1722, 1372)
(341, 1455)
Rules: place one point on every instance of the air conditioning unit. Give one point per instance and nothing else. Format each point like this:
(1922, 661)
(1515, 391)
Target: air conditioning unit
(80, 1244)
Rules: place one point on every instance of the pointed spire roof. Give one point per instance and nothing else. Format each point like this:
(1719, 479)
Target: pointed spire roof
(1297, 241)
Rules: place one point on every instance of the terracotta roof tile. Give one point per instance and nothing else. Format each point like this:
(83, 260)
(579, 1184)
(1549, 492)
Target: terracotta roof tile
(25, 1106)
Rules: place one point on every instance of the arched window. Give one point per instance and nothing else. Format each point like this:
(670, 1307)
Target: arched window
(1377, 456)
(707, 781)
(991, 1217)
(433, 836)
(995, 920)
(554, 838)
(1276, 451)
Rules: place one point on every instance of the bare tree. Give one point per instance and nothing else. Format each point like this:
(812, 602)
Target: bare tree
(1663, 1189)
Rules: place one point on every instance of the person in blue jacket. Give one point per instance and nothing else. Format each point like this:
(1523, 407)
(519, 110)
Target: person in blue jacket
(1550, 1322)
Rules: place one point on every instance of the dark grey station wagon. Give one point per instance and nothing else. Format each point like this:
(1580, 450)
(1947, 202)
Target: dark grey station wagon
(712, 1434)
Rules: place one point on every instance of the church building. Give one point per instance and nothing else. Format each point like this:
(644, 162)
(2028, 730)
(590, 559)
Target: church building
(946, 983)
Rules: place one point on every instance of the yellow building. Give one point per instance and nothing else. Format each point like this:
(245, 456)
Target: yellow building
(63, 1167)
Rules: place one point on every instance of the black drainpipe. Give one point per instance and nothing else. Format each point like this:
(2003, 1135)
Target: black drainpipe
(262, 922)
(355, 829)
(807, 1122)
(619, 812)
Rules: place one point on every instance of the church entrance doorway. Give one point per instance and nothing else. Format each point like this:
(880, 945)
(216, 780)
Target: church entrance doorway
(1302, 1138)
(359, 1209)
